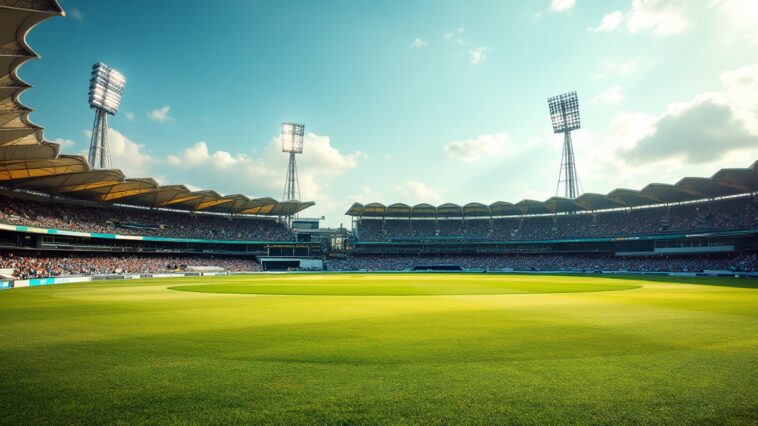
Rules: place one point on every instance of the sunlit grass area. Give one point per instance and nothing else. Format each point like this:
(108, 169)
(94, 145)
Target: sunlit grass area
(358, 349)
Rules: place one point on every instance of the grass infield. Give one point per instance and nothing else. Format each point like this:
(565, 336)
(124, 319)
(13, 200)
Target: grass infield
(316, 349)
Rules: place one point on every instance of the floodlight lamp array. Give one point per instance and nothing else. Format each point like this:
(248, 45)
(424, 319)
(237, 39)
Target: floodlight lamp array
(564, 112)
(292, 137)
(105, 88)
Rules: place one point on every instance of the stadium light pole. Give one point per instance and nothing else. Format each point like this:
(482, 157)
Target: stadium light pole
(292, 143)
(105, 87)
(564, 113)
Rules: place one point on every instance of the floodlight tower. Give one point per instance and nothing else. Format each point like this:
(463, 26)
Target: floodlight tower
(105, 89)
(292, 142)
(564, 113)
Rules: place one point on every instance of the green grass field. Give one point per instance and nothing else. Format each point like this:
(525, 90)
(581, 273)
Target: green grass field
(383, 348)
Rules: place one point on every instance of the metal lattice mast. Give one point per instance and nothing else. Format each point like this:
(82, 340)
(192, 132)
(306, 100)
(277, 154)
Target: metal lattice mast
(105, 89)
(567, 174)
(99, 148)
(292, 143)
(292, 185)
(564, 113)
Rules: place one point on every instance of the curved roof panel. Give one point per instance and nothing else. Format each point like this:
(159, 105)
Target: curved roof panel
(424, 210)
(449, 210)
(398, 210)
(632, 198)
(532, 207)
(28, 162)
(72, 182)
(666, 193)
(708, 188)
(374, 209)
(476, 210)
(26, 169)
(503, 208)
(562, 205)
(590, 201)
(746, 179)
(43, 151)
(355, 210)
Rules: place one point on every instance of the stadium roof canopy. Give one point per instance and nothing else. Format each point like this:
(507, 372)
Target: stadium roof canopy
(29, 162)
(725, 183)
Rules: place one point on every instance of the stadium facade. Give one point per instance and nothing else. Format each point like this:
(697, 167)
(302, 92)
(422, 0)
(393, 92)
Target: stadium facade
(55, 210)
(34, 169)
(476, 227)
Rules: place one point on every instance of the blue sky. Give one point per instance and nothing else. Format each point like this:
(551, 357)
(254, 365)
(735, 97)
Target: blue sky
(407, 101)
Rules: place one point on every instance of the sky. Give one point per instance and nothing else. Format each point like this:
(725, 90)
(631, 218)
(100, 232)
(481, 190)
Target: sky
(406, 101)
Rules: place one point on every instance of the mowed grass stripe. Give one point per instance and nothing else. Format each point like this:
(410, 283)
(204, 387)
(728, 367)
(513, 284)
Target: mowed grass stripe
(407, 285)
(681, 351)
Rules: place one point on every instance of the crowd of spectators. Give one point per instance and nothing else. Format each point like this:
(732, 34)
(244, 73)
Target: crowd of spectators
(735, 213)
(540, 262)
(49, 265)
(135, 221)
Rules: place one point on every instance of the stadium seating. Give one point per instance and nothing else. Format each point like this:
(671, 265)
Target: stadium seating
(726, 214)
(44, 265)
(135, 221)
(555, 262)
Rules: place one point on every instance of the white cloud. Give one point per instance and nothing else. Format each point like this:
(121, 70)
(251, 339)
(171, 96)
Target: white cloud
(741, 17)
(77, 14)
(561, 5)
(160, 115)
(413, 191)
(263, 174)
(611, 96)
(64, 143)
(702, 131)
(455, 36)
(742, 93)
(610, 22)
(452, 34)
(660, 17)
(709, 128)
(482, 146)
(129, 115)
(365, 195)
(629, 127)
(418, 43)
(127, 155)
(475, 54)
(478, 54)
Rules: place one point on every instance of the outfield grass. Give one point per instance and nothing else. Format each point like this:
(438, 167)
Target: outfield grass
(402, 285)
(355, 349)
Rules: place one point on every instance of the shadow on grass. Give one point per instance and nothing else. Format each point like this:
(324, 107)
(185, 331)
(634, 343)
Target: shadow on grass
(751, 283)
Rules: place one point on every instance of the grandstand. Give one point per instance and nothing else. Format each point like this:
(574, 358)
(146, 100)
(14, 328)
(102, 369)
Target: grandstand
(57, 214)
(52, 203)
(695, 225)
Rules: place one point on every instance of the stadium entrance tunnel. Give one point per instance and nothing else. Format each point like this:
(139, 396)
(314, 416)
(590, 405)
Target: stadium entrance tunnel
(407, 284)
(281, 265)
(291, 263)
